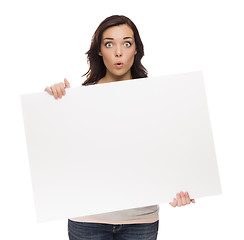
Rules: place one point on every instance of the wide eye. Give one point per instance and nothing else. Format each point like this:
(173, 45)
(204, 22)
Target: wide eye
(127, 44)
(108, 44)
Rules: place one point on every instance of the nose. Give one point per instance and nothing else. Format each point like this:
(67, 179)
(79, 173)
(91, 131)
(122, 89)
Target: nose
(118, 51)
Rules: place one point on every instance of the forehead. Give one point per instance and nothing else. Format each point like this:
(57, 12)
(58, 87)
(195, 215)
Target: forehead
(119, 31)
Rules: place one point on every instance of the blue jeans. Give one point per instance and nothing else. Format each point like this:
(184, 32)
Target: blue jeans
(104, 231)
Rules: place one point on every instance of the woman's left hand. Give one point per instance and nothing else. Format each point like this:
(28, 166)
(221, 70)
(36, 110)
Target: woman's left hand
(182, 200)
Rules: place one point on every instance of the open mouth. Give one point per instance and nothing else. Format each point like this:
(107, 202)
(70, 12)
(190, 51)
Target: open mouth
(118, 64)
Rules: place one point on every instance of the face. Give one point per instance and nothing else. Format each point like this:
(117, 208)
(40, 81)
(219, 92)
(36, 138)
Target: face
(118, 50)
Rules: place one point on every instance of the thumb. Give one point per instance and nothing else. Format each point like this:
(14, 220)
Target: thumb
(66, 83)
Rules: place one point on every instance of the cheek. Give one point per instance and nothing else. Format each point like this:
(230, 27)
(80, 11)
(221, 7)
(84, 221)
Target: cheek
(106, 55)
(131, 55)
(107, 59)
(131, 52)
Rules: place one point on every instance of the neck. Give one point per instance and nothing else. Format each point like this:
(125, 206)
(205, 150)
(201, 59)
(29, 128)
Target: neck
(111, 78)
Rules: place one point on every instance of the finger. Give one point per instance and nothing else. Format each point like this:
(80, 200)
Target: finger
(174, 203)
(54, 91)
(61, 85)
(183, 198)
(192, 200)
(178, 200)
(59, 91)
(67, 84)
(49, 90)
(188, 201)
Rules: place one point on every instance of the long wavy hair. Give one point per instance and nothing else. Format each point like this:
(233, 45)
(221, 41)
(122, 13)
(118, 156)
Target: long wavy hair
(97, 69)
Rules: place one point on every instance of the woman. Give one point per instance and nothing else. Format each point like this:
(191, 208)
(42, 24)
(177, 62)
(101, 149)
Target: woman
(115, 55)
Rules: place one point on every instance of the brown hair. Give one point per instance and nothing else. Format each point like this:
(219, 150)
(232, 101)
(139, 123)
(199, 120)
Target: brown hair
(97, 69)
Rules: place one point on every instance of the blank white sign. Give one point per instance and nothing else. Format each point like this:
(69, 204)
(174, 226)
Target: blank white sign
(119, 145)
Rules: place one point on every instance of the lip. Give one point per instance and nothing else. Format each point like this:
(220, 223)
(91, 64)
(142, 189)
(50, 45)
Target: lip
(119, 64)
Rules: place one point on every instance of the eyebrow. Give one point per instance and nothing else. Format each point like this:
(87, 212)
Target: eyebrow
(113, 38)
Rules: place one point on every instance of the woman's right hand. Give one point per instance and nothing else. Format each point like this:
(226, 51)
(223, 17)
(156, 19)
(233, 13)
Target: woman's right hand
(58, 89)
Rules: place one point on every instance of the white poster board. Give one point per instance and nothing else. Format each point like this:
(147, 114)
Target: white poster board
(120, 145)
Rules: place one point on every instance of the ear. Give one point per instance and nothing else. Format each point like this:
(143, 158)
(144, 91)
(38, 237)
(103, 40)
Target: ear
(135, 52)
(99, 53)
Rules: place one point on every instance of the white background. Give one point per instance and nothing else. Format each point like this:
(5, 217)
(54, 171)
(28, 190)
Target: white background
(44, 41)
